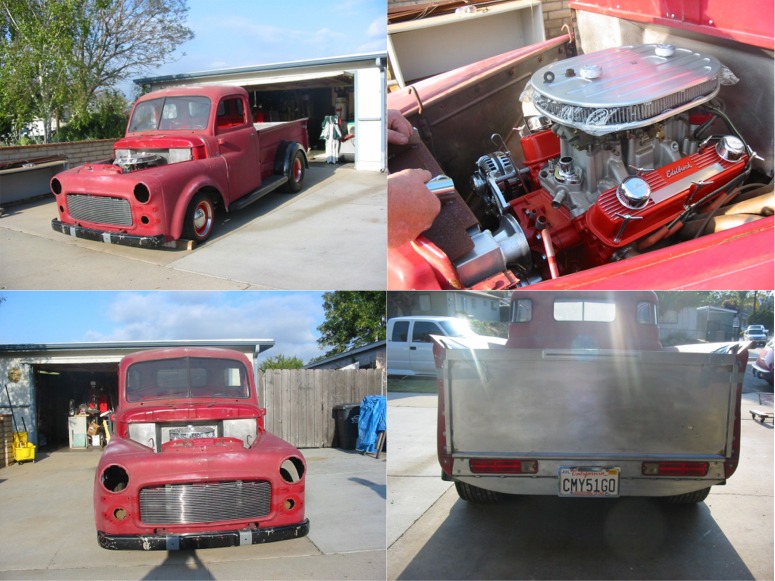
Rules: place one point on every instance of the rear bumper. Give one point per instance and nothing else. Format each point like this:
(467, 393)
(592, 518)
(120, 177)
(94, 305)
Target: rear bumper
(109, 237)
(209, 540)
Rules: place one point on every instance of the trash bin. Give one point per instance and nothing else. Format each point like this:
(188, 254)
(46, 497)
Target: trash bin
(346, 418)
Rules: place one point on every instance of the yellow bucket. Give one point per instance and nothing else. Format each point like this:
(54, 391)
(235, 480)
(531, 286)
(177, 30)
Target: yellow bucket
(23, 451)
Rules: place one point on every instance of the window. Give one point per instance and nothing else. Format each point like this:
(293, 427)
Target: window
(400, 331)
(230, 113)
(187, 377)
(423, 330)
(171, 113)
(578, 310)
(424, 302)
(647, 313)
(521, 311)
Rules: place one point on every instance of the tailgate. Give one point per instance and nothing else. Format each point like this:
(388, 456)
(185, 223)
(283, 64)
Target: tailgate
(590, 403)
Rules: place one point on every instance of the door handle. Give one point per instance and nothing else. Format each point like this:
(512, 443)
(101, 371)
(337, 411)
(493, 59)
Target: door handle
(412, 348)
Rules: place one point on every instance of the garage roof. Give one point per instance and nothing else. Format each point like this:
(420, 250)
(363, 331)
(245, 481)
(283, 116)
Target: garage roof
(332, 71)
(114, 350)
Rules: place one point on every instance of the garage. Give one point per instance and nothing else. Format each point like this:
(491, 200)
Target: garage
(58, 390)
(351, 87)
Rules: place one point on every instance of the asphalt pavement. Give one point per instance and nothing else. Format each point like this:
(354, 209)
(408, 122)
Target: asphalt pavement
(432, 534)
(49, 533)
(331, 235)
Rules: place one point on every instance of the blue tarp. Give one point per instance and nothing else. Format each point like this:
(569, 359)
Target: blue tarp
(373, 420)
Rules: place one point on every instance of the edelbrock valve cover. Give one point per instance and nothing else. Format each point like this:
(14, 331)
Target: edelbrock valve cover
(624, 87)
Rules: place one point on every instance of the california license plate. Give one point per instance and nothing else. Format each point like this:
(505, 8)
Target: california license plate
(589, 481)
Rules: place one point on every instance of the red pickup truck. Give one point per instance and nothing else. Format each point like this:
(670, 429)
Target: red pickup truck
(186, 151)
(189, 464)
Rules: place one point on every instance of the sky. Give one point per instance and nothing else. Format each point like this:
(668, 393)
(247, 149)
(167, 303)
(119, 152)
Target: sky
(290, 318)
(249, 32)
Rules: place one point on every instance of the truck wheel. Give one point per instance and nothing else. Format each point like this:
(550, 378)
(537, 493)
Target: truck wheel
(295, 173)
(689, 498)
(200, 218)
(475, 494)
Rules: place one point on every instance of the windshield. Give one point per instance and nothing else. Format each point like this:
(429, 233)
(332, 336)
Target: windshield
(187, 377)
(170, 113)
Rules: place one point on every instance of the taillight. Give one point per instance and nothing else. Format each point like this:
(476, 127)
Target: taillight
(675, 468)
(486, 466)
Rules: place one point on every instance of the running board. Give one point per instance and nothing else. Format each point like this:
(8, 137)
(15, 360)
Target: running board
(270, 184)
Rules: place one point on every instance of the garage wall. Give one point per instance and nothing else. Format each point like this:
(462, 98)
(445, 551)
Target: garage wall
(370, 144)
(300, 402)
(21, 392)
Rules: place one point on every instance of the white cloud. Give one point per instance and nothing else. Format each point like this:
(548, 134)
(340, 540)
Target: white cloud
(291, 319)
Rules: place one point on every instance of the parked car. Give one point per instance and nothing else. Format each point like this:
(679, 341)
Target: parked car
(762, 367)
(756, 333)
(410, 347)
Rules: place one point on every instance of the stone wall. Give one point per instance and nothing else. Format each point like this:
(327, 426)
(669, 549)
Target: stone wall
(556, 13)
(76, 152)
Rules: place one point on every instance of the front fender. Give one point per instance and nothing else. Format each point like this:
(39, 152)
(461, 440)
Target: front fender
(212, 177)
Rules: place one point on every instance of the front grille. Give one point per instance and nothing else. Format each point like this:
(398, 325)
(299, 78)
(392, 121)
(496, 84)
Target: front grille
(100, 209)
(201, 503)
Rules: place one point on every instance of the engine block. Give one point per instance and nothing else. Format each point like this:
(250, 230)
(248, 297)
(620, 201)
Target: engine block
(612, 152)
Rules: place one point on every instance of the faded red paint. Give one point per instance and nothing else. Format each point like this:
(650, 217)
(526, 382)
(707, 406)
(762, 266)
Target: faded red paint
(191, 461)
(230, 158)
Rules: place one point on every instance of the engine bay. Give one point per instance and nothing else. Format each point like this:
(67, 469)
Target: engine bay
(617, 152)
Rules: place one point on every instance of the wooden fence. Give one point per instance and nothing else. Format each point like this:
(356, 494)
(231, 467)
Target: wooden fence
(300, 402)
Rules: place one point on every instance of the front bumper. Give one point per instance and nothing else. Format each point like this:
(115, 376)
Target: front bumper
(109, 237)
(208, 540)
(761, 372)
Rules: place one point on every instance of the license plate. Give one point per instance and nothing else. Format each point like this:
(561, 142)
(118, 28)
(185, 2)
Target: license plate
(589, 482)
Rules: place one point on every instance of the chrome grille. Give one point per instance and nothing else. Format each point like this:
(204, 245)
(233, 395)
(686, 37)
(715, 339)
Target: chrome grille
(100, 209)
(200, 503)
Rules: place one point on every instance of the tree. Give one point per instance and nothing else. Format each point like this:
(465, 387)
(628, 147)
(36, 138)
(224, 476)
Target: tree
(281, 362)
(353, 319)
(35, 58)
(56, 56)
(118, 39)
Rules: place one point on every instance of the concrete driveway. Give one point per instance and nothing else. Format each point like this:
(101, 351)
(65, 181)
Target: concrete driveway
(331, 235)
(432, 534)
(48, 523)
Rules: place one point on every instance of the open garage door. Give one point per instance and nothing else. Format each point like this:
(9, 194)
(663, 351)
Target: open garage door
(60, 388)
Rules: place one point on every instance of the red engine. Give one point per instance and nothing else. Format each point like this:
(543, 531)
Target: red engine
(618, 151)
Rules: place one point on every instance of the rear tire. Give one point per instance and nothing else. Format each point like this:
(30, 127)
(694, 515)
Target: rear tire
(296, 172)
(477, 495)
(689, 498)
(200, 218)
